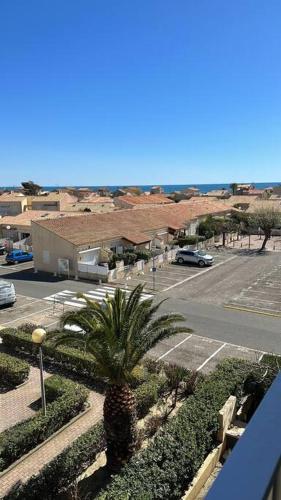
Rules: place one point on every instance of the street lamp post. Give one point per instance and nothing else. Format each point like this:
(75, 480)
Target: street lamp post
(38, 337)
(153, 264)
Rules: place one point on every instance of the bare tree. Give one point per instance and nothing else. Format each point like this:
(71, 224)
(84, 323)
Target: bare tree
(266, 218)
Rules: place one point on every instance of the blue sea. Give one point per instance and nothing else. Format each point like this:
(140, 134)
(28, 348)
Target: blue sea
(168, 188)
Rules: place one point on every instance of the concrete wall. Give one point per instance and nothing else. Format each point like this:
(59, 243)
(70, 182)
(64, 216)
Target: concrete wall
(48, 248)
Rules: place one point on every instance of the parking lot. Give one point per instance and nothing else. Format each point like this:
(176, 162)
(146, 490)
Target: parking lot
(200, 353)
(42, 299)
(173, 274)
(262, 296)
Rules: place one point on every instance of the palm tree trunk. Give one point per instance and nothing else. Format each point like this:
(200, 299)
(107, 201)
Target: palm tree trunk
(120, 420)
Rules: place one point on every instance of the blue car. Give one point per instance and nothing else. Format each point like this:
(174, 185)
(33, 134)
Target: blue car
(16, 256)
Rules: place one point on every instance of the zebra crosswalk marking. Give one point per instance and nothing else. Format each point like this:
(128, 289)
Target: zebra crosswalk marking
(69, 298)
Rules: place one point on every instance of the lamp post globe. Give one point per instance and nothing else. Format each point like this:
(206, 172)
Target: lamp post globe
(38, 335)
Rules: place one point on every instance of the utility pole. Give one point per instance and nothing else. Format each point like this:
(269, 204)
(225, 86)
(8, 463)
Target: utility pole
(153, 265)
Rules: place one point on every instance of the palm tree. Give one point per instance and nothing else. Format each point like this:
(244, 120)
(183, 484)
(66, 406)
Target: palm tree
(118, 333)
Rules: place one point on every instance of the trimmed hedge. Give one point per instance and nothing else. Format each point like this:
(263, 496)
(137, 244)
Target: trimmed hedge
(13, 371)
(61, 472)
(69, 358)
(22, 437)
(148, 394)
(168, 465)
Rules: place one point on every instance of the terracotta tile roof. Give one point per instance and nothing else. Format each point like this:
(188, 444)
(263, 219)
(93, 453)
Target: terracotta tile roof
(93, 228)
(150, 199)
(61, 196)
(6, 197)
(26, 217)
(136, 238)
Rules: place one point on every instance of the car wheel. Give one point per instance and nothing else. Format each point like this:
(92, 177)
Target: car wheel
(201, 263)
(16, 262)
(180, 260)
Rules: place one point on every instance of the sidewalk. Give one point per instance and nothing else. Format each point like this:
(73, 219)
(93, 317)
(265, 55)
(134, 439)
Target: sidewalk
(16, 405)
(254, 242)
(34, 462)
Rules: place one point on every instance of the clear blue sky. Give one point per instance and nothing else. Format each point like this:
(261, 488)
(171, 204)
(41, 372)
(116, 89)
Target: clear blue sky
(140, 91)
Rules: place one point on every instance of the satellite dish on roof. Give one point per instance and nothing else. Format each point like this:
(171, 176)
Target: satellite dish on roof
(8, 227)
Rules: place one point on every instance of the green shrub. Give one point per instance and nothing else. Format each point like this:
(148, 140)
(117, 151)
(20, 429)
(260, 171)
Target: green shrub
(170, 462)
(28, 327)
(69, 358)
(60, 473)
(22, 437)
(189, 240)
(144, 255)
(148, 394)
(13, 371)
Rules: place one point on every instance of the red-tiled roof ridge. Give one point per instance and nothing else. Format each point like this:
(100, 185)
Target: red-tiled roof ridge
(102, 227)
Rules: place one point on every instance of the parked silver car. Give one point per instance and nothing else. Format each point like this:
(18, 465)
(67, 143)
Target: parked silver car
(7, 293)
(194, 257)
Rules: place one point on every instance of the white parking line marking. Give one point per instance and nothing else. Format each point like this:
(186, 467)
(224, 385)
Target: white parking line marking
(210, 357)
(175, 347)
(26, 316)
(200, 273)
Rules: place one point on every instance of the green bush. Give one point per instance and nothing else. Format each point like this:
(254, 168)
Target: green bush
(69, 358)
(22, 437)
(189, 240)
(148, 394)
(61, 472)
(144, 255)
(13, 371)
(170, 462)
(28, 327)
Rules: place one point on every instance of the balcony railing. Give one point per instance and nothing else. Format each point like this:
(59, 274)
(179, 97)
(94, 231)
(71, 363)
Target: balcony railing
(253, 470)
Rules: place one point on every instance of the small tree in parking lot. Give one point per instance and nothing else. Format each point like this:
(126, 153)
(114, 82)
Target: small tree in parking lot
(266, 218)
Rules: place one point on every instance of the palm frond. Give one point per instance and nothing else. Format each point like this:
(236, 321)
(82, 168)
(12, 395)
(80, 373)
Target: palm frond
(120, 331)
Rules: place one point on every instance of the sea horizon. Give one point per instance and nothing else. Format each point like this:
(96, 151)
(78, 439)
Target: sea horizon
(168, 188)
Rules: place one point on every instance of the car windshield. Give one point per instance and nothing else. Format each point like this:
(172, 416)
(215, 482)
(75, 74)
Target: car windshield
(201, 252)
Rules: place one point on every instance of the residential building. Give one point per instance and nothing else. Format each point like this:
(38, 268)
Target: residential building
(276, 191)
(219, 193)
(141, 201)
(243, 189)
(92, 203)
(12, 204)
(156, 190)
(193, 191)
(65, 246)
(58, 201)
(18, 227)
(104, 191)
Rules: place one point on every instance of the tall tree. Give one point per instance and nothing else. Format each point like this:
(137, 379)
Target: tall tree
(267, 219)
(31, 189)
(233, 187)
(119, 332)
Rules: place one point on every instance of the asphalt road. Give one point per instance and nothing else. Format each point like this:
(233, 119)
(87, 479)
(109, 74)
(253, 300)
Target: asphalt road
(200, 300)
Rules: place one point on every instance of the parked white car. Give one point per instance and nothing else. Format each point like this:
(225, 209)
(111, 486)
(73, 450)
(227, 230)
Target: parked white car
(7, 293)
(194, 257)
